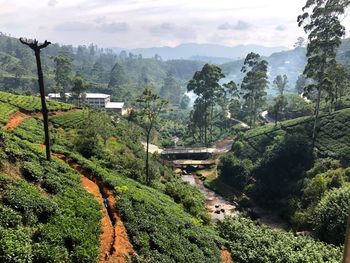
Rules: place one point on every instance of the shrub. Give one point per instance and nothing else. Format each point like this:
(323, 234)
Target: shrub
(9, 217)
(15, 246)
(282, 165)
(251, 243)
(330, 215)
(235, 172)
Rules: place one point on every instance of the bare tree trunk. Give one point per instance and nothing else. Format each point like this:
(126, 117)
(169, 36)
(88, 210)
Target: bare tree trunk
(148, 180)
(43, 105)
(317, 112)
(205, 125)
(37, 48)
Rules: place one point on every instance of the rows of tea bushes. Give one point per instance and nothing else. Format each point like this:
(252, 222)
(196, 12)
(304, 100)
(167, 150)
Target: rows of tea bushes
(45, 214)
(5, 112)
(31, 103)
(333, 133)
(158, 228)
(69, 119)
(31, 129)
(252, 243)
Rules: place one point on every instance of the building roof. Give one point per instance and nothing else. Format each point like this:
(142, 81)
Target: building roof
(97, 96)
(88, 95)
(54, 95)
(114, 105)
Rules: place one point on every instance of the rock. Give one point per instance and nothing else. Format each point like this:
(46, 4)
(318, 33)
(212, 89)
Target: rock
(178, 171)
(217, 206)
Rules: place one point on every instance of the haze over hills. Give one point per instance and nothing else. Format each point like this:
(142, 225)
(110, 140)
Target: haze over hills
(195, 51)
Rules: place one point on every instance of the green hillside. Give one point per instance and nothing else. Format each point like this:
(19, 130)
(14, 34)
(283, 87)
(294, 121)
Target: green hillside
(165, 222)
(333, 134)
(275, 167)
(47, 216)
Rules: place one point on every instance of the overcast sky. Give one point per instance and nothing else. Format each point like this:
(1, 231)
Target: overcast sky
(148, 23)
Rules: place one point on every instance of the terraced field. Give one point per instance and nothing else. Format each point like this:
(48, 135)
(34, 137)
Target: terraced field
(31, 103)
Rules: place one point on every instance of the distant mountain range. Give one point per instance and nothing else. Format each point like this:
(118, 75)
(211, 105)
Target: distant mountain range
(214, 53)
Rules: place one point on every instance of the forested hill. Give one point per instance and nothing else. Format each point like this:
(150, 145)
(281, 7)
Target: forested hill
(290, 62)
(125, 74)
(104, 70)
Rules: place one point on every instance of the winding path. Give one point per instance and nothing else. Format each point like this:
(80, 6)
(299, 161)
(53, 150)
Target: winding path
(115, 246)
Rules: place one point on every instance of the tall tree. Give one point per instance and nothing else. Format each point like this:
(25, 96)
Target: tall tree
(185, 101)
(254, 85)
(280, 102)
(37, 49)
(171, 89)
(205, 84)
(300, 43)
(117, 77)
(63, 71)
(143, 78)
(151, 105)
(340, 82)
(79, 88)
(321, 19)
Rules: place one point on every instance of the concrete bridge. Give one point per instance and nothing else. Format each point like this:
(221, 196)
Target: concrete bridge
(193, 153)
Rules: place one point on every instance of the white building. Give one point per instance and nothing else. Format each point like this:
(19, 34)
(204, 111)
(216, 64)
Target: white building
(97, 100)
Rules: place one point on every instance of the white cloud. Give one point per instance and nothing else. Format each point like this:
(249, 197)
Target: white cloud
(280, 28)
(144, 23)
(240, 25)
(52, 2)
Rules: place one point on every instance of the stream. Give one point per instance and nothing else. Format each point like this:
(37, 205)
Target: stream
(217, 206)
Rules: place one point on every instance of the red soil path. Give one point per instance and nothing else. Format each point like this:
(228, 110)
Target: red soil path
(115, 246)
(15, 120)
(226, 255)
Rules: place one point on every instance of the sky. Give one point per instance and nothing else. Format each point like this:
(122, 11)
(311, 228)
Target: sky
(154, 23)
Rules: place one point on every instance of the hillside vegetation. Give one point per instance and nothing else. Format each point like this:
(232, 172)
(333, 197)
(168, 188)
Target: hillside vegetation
(274, 166)
(48, 217)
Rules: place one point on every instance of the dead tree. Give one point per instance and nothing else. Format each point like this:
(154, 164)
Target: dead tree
(37, 48)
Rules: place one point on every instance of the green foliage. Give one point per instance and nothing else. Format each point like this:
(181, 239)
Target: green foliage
(15, 246)
(6, 111)
(282, 166)
(171, 90)
(159, 229)
(254, 85)
(63, 73)
(31, 103)
(330, 215)
(235, 172)
(9, 217)
(251, 243)
(192, 199)
(30, 129)
(205, 84)
(69, 119)
(60, 225)
(93, 132)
